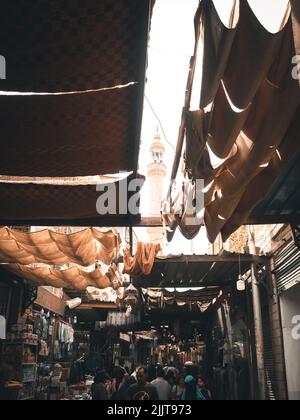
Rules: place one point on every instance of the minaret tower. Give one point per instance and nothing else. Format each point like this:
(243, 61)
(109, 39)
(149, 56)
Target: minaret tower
(156, 172)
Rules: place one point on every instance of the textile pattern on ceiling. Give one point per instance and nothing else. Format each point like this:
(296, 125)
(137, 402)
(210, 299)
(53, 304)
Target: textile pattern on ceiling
(37, 256)
(73, 278)
(84, 248)
(32, 203)
(68, 136)
(77, 46)
(249, 114)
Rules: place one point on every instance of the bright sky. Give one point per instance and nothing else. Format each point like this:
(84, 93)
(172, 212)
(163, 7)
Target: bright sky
(171, 46)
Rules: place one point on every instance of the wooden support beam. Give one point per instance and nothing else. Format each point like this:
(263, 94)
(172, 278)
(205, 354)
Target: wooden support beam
(230, 258)
(97, 306)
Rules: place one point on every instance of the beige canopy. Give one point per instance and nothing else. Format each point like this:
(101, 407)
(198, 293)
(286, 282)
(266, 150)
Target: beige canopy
(73, 278)
(84, 248)
(249, 113)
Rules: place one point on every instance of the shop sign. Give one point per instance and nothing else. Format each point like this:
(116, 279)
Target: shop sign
(49, 301)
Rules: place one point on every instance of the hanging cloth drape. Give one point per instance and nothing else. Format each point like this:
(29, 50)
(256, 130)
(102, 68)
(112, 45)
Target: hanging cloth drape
(143, 261)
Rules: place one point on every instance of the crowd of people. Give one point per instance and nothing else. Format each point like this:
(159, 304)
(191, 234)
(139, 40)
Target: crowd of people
(155, 383)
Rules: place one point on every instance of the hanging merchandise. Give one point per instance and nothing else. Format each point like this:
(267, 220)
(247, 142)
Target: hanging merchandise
(241, 285)
(132, 299)
(108, 295)
(121, 319)
(43, 352)
(65, 340)
(143, 261)
(72, 304)
(115, 276)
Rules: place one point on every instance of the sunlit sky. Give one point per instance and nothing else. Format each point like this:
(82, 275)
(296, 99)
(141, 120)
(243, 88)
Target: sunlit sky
(170, 48)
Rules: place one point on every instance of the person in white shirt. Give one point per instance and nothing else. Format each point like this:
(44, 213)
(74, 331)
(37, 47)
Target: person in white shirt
(2, 328)
(163, 388)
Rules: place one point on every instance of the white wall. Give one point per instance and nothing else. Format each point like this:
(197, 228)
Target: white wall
(290, 307)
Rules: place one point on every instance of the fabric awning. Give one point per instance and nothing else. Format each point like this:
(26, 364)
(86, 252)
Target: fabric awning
(73, 278)
(55, 47)
(70, 107)
(202, 298)
(48, 205)
(249, 112)
(142, 262)
(68, 136)
(84, 248)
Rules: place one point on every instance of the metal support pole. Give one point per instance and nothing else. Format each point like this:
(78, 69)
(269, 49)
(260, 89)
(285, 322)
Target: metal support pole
(131, 239)
(251, 344)
(259, 344)
(131, 246)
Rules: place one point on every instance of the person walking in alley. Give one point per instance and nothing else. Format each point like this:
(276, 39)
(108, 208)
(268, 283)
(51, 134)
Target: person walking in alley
(206, 392)
(122, 394)
(142, 390)
(99, 391)
(191, 392)
(118, 374)
(163, 388)
(179, 388)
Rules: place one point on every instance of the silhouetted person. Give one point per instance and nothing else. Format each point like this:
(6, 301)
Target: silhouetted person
(142, 390)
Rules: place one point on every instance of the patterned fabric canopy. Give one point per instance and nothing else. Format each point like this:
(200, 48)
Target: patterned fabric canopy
(84, 248)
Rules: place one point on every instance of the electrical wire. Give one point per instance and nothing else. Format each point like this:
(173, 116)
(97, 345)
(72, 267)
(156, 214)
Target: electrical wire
(160, 124)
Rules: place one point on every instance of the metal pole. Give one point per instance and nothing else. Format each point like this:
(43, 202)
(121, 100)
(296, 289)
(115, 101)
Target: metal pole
(258, 324)
(251, 344)
(131, 239)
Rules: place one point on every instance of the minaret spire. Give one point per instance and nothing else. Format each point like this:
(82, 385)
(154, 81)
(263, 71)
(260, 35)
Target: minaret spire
(156, 172)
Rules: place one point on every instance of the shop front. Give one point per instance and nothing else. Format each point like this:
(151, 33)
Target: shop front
(40, 349)
(287, 271)
(229, 348)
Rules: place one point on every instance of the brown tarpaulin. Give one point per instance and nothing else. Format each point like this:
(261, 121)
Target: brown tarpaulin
(256, 145)
(143, 261)
(255, 105)
(72, 278)
(218, 41)
(61, 136)
(39, 205)
(49, 247)
(263, 182)
(253, 52)
(72, 46)
(296, 26)
(197, 157)
(222, 141)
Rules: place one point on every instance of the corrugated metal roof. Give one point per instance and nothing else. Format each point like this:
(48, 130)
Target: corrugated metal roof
(188, 272)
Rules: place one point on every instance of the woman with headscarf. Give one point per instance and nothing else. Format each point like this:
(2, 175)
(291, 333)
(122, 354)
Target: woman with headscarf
(191, 392)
